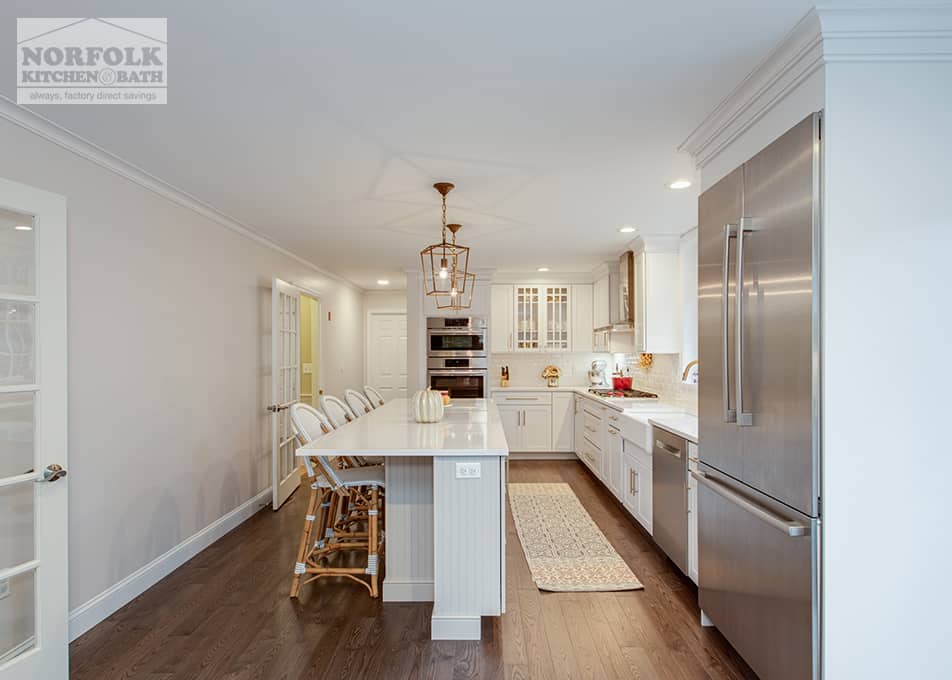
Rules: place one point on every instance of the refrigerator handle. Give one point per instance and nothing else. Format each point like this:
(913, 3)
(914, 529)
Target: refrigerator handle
(743, 419)
(792, 529)
(730, 415)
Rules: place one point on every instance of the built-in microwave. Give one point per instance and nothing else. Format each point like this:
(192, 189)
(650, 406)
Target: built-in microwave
(463, 378)
(456, 337)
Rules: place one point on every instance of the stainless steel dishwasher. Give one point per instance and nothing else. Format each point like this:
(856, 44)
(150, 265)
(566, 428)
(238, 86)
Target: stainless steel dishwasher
(670, 496)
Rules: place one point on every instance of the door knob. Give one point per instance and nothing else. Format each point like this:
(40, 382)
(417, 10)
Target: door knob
(52, 473)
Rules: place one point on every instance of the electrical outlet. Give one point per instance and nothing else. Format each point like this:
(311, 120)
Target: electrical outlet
(4, 588)
(468, 470)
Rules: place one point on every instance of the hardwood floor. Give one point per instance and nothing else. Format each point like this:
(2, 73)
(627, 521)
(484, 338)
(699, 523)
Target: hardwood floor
(226, 614)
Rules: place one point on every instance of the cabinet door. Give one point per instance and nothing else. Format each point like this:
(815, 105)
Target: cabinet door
(582, 320)
(636, 489)
(537, 428)
(579, 425)
(642, 493)
(629, 497)
(511, 417)
(500, 319)
(527, 331)
(563, 422)
(638, 324)
(612, 462)
(557, 320)
(692, 512)
(601, 303)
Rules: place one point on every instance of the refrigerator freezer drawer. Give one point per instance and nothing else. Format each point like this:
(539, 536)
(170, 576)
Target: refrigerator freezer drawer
(757, 576)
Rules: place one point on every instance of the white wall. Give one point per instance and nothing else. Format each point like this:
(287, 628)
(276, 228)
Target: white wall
(886, 333)
(169, 352)
(385, 301)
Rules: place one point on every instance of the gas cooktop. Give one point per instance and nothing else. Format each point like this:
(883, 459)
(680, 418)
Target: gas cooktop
(609, 393)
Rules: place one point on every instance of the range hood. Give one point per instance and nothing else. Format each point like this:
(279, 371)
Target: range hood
(621, 287)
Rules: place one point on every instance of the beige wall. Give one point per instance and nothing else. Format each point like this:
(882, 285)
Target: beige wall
(159, 292)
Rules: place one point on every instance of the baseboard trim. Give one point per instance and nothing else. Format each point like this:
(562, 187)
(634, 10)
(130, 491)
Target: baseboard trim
(118, 595)
(546, 455)
(407, 591)
(455, 627)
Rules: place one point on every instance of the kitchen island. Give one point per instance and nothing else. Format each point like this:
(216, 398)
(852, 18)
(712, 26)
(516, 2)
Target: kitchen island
(444, 508)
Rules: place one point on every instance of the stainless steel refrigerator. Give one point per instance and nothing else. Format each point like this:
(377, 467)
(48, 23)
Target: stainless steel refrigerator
(758, 401)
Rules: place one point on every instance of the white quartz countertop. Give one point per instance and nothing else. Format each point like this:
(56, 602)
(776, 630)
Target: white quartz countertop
(681, 424)
(619, 404)
(470, 427)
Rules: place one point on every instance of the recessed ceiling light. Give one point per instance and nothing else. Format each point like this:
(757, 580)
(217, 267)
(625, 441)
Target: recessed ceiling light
(23, 227)
(542, 269)
(383, 282)
(627, 229)
(680, 184)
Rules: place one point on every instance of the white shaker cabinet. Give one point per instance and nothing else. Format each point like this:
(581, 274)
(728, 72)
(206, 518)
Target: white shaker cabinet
(657, 322)
(500, 319)
(612, 462)
(692, 512)
(526, 420)
(563, 421)
(601, 302)
(582, 318)
(636, 482)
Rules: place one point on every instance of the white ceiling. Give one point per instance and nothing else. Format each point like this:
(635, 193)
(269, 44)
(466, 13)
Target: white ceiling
(322, 125)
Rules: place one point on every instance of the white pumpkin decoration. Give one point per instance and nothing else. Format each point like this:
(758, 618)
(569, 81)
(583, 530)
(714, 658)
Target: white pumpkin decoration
(427, 406)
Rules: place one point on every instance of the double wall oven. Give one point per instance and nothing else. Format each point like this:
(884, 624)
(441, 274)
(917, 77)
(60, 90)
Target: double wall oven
(456, 356)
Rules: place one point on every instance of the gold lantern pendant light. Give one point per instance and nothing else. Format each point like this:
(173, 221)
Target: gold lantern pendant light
(445, 265)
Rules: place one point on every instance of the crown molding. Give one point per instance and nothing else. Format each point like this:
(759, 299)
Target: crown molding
(884, 32)
(52, 132)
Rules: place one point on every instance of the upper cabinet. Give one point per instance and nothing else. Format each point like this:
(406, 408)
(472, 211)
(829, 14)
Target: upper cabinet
(602, 302)
(656, 306)
(657, 321)
(541, 317)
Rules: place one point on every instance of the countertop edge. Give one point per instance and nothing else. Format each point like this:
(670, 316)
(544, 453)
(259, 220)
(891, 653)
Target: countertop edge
(673, 429)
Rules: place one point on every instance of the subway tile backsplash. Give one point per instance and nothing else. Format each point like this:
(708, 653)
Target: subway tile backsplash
(525, 370)
(663, 378)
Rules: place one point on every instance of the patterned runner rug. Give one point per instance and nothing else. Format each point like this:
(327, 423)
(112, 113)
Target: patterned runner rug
(565, 549)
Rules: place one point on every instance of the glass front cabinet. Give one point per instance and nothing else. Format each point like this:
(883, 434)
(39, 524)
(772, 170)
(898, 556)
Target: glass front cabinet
(542, 318)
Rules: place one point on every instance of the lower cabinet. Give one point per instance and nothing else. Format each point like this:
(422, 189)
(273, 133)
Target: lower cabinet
(612, 462)
(692, 512)
(636, 483)
(528, 428)
(563, 422)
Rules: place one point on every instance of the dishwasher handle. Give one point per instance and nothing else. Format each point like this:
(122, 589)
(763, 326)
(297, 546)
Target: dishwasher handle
(792, 529)
(670, 450)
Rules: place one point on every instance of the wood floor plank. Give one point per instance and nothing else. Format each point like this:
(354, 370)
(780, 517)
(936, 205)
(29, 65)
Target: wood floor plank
(226, 615)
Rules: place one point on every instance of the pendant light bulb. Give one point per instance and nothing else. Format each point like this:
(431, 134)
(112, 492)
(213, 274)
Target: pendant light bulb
(443, 269)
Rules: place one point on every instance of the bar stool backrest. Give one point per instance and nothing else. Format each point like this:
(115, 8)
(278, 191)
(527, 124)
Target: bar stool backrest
(311, 424)
(375, 398)
(336, 411)
(358, 403)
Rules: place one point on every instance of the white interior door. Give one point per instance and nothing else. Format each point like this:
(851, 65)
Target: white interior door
(387, 354)
(285, 387)
(34, 627)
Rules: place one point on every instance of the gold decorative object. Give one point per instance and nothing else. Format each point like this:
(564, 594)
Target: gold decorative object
(551, 375)
(445, 265)
(645, 360)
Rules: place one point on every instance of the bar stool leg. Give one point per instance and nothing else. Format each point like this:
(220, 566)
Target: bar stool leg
(304, 546)
(373, 533)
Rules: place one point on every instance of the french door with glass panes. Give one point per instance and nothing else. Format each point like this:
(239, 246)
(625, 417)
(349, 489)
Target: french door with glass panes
(285, 387)
(542, 318)
(34, 576)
